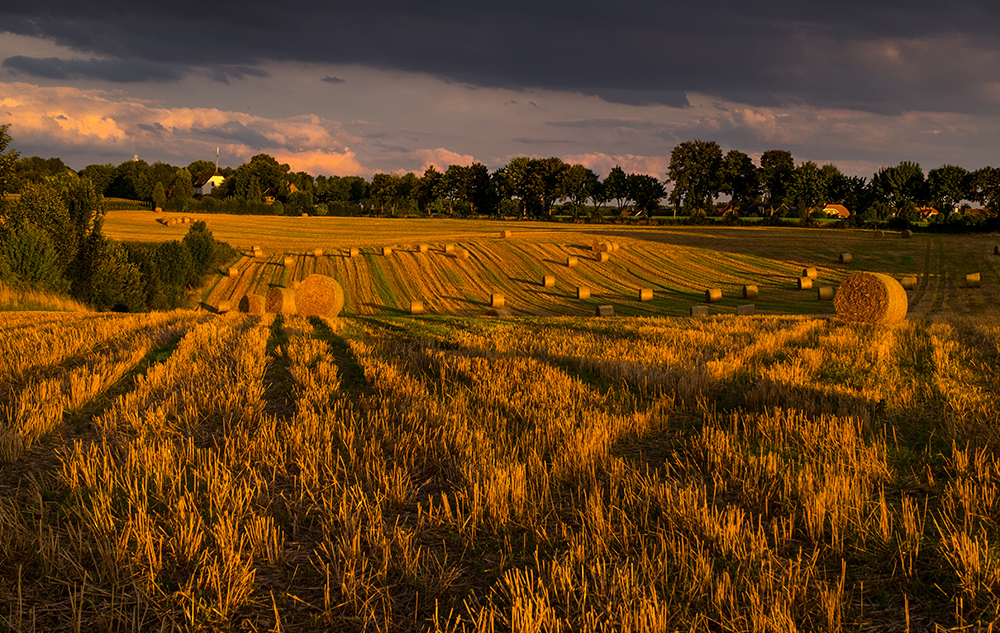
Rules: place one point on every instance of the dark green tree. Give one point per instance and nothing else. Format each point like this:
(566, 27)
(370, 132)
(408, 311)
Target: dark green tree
(100, 175)
(947, 186)
(8, 158)
(696, 171)
(182, 189)
(740, 179)
(30, 259)
(159, 196)
(776, 167)
(896, 185)
(984, 187)
(616, 186)
(646, 191)
(579, 183)
(200, 242)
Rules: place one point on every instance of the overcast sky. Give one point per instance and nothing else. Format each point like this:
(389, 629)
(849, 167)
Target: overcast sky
(386, 85)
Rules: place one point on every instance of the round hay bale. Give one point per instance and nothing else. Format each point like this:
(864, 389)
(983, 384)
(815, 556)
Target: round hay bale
(280, 300)
(845, 258)
(603, 257)
(416, 307)
(252, 304)
(824, 293)
(750, 292)
(172, 222)
(317, 252)
(810, 273)
(449, 248)
(645, 294)
(258, 252)
(305, 215)
(615, 246)
(506, 235)
(713, 295)
(879, 235)
(496, 300)
(582, 292)
(804, 283)
(354, 252)
(224, 306)
(605, 311)
(699, 311)
(870, 298)
(287, 261)
(423, 248)
(158, 210)
(602, 247)
(908, 283)
(386, 251)
(972, 280)
(319, 295)
(549, 281)
(232, 272)
(907, 234)
(461, 253)
(572, 261)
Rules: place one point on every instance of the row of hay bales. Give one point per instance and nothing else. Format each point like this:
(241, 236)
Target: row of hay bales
(175, 221)
(316, 295)
(499, 301)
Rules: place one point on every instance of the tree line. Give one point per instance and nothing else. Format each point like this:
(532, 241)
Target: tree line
(51, 238)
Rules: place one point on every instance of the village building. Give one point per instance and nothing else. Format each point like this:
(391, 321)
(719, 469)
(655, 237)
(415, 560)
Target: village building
(207, 181)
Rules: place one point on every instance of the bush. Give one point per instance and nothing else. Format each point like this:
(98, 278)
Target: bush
(278, 208)
(321, 209)
(30, 259)
(200, 243)
(116, 283)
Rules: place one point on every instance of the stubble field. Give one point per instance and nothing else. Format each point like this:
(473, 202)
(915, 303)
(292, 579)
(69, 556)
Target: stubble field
(194, 471)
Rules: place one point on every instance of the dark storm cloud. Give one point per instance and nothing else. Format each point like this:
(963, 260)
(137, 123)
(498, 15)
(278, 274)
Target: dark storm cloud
(886, 56)
(236, 131)
(333, 80)
(118, 71)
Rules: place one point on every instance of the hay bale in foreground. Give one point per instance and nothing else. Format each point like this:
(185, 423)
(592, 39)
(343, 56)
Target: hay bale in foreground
(252, 304)
(845, 258)
(804, 283)
(549, 281)
(582, 292)
(824, 293)
(907, 234)
(605, 311)
(645, 294)
(603, 257)
(870, 298)
(319, 295)
(280, 300)
(416, 307)
(972, 280)
(908, 283)
(699, 311)
(713, 295)
(746, 309)
(750, 291)
(572, 261)
(810, 273)
(496, 300)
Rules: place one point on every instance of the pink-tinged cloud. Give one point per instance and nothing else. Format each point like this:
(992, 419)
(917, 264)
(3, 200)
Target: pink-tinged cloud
(109, 123)
(602, 164)
(440, 158)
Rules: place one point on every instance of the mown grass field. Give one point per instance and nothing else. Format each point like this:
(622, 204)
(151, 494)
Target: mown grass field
(678, 263)
(378, 472)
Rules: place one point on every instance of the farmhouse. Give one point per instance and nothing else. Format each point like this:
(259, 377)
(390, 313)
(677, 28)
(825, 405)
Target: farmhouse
(836, 211)
(927, 213)
(207, 181)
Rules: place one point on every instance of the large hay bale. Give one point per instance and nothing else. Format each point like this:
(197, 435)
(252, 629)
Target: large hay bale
(423, 248)
(232, 272)
(354, 252)
(258, 252)
(713, 295)
(582, 292)
(907, 234)
(845, 258)
(699, 311)
(750, 291)
(416, 307)
(496, 300)
(908, 283)
(746, 309)
(870, 298)
(317, 252)
(305, 215)
(449, 248)
(824, 293)
(287, 261)
(603, 257)
(572, 261)
(319, 295)
(605, 311)
(506, 235)
(602, 247)
(158, 210)
(878, 235)
(810, 273)
(386, 251)
(972, 280)
(460, 253)
(280, 300)
(615, 246)
(645, 294)
(172, 222)
(252, 304)
(224, 306)
(549, 281)
(804, 283)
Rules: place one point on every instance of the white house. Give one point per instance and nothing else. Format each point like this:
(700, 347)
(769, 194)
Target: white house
(206, 182)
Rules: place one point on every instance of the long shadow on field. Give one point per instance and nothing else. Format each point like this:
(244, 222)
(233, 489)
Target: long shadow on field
(352, 376)
(278, 380)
